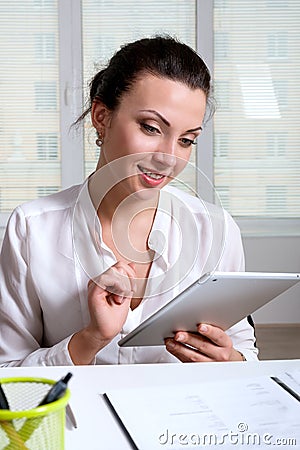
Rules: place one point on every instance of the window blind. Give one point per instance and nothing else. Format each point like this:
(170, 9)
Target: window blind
(29, 108)
(256, 81)
(257, 123)
(109, 24)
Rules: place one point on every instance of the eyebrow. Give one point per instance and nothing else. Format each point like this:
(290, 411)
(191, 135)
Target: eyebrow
(166, 122)
(194, 129)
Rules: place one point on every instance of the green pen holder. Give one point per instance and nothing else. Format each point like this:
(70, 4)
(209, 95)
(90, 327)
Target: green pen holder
(26, 426)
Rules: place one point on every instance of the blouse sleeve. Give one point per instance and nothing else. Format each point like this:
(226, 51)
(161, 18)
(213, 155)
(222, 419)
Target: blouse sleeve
(21, 318)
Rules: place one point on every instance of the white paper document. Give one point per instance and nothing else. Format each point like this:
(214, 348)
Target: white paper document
(292, 380)
(254, 413)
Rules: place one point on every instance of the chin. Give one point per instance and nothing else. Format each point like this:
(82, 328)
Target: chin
(146, 194)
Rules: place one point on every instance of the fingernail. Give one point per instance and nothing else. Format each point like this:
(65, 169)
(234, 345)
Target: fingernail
(203, 328)
(179, 337)
(170, 344)
(119, 299)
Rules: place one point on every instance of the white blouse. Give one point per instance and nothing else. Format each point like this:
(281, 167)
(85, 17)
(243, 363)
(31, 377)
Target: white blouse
(53, 246)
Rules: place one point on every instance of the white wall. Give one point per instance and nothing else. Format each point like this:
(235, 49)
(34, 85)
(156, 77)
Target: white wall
(276, 254)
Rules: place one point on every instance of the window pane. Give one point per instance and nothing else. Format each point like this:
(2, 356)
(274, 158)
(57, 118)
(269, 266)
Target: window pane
(47, 146)
(257, 123)
(46, 190)
(277, 44)
(107, 25)
(45, 46)
(29, 115)
(45, 95)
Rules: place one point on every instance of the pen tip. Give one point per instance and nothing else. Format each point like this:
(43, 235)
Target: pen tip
(67, 377)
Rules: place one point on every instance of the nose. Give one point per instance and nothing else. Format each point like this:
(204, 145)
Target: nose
(165, 156)
(164, 159)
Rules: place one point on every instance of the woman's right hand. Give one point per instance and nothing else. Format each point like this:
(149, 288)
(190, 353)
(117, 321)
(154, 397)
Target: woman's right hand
(109, 299)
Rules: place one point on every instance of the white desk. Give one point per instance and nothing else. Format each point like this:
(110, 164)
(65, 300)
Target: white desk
(97, 428)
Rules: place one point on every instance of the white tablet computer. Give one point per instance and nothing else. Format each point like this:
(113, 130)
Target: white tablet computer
(219, 298)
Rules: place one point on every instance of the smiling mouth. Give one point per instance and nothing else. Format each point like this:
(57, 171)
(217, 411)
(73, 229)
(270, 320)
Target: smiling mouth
(153, 175)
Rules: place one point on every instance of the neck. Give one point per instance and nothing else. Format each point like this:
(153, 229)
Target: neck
(126, 207)
(110, 198)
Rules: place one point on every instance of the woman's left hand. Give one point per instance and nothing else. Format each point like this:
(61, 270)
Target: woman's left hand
(211, 344)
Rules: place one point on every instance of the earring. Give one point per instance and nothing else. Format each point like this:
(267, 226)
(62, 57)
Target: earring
(99, 140)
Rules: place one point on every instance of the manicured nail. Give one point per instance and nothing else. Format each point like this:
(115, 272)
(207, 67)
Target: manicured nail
(203, 328)
(179, 337)
(170, 344)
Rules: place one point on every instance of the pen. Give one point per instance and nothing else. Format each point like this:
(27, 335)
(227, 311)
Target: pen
(55, 393)
(71, 421)
(57, 390)
(3, 400)
(286, 388)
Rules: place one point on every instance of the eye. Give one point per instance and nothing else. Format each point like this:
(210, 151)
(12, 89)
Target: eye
(149, 128)
(187, 142)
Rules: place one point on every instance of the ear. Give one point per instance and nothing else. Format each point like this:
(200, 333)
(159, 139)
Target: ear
(100, 115)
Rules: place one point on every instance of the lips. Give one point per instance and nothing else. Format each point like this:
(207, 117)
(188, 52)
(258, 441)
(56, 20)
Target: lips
(151, 178)
(154, 175)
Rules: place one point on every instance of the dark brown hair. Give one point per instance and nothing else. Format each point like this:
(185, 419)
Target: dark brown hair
(162, 56)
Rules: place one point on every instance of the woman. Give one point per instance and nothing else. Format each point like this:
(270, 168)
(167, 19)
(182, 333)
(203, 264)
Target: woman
(81, 268)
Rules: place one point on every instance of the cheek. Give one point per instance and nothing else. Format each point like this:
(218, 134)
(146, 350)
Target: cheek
(182, 159)
(126, 141)
(116, 144)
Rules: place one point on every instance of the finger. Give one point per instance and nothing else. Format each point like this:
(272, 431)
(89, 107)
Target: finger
(184, 353)
(94, 286)
(128, 270)
(215, 334)
(204, 346)
(115, 281)
(133, 266)
(114, 299)
(199, 343)
(97, 292)
(118, 299)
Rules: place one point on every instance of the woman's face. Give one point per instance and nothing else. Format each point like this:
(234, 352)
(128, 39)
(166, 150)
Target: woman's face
(155, 126)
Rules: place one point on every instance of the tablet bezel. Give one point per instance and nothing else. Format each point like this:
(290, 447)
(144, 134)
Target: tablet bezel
(225, 299)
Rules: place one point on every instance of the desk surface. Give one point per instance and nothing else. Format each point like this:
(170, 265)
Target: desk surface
(97, 428)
